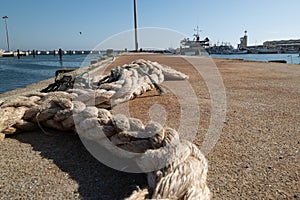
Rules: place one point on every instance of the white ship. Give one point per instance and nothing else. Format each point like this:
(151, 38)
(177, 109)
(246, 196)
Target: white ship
(195, 46)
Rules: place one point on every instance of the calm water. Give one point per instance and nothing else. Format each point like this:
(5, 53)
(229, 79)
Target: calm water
(17, 73)
(290, 58)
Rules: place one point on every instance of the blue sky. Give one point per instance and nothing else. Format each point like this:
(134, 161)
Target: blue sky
(53, 24)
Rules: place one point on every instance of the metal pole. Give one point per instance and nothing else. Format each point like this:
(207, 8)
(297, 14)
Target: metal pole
(7, 39)
(135, 27)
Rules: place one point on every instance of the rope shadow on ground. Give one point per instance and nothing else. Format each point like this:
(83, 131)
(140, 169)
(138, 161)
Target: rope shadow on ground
(95, 180)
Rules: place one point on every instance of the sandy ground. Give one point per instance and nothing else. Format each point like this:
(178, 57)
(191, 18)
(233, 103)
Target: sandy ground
(256, 157)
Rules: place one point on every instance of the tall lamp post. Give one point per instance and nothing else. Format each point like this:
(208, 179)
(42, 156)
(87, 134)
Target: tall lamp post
(135, 27)
(7, 39)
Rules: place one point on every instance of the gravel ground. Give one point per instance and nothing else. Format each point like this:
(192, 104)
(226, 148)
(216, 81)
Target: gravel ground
(256, 157)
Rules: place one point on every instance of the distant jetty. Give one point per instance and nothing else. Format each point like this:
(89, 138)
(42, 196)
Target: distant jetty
(55, 52)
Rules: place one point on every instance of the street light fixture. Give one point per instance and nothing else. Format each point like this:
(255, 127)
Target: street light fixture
(135, 27)
(6, 28)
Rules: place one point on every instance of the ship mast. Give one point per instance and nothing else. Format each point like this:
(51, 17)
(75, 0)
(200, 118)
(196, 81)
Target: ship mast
(197, 35)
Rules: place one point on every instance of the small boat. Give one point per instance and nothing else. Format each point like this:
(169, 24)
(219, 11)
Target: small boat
(278, 61)
(267, 51)
(8, 54)
(238, 51)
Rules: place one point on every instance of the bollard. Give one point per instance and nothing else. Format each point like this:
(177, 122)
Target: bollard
(60, 54)
(18, 53)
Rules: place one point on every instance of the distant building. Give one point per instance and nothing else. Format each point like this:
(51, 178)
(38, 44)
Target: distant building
(285, 46)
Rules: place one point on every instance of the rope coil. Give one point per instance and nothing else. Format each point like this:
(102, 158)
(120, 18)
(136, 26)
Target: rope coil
(181, 167)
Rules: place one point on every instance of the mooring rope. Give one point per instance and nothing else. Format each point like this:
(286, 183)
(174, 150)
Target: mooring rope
(181, 167)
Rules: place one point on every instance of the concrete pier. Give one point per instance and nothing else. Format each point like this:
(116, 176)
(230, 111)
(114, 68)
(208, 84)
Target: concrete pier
(255, 157)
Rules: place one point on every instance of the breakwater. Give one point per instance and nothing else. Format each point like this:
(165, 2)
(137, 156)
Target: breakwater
(17, 73)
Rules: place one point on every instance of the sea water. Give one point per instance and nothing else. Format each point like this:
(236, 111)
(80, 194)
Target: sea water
(289, 58)
(17, 73)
